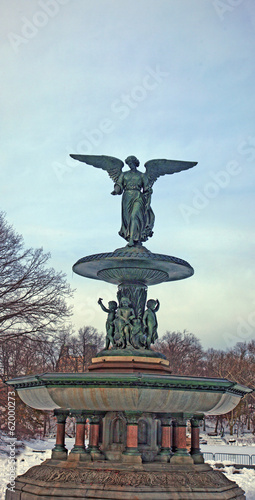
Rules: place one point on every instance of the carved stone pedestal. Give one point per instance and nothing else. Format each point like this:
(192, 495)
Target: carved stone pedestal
(121, 461)
(113, 481)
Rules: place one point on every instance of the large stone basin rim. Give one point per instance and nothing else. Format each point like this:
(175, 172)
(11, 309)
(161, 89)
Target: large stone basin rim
(129, 392)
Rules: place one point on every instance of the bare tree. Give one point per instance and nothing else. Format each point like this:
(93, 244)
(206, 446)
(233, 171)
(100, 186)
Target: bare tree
(32, 296)
(236, 364)
(184, 351)
(77, 352)
(89, 342)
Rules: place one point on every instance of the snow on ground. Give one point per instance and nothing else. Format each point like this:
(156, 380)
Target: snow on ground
(245, 478)
(34, 452)
(28, 453)
(26, 456)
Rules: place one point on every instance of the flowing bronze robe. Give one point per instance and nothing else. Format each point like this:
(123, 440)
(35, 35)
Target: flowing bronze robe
(137, 215)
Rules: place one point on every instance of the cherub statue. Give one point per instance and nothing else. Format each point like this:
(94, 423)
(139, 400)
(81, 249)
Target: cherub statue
(138, 338)
(136, 189)
(112, 307)
(150, 322)
(123, 322)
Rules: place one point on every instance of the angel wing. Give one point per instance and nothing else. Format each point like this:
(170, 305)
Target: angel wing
(112, 165)
(156, 168)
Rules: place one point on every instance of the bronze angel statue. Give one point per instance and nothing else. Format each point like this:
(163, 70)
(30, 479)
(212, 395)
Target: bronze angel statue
(136, 189)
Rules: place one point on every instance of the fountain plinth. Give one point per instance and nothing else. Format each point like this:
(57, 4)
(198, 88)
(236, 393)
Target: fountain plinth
(137, 409)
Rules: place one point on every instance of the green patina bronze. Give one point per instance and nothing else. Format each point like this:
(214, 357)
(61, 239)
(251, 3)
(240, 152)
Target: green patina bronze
(136, 190)
(133, 268)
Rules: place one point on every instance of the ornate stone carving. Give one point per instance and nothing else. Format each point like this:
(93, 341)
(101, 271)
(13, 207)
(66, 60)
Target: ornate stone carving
(80, 416)
(195, 421)
(189, 480)
(132, 417)
(61, 415)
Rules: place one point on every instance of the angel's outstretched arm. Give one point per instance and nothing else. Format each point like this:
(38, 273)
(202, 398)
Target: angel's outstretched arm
(118, 186)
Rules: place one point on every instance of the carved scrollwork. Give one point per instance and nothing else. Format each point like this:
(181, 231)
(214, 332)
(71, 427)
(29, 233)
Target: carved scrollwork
(210, 479)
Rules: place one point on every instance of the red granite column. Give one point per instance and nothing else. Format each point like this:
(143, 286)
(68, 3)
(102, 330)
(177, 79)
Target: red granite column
(132, 454)
(165, 448)
(181, 454)
(79, 445)
(173, 436)
(93, 447)
(59, 451)
(60, 437)
(195, 445)
(94, 435)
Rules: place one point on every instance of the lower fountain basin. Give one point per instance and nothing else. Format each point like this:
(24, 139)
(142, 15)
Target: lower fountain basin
(143, 392)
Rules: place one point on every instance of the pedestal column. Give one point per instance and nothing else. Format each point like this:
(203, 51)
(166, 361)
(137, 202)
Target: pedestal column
(93, 448)
(165, 449)
(59, 452)
(136, 293)
(132, 454)
(195, 451)
(180, 453)
(79, 445)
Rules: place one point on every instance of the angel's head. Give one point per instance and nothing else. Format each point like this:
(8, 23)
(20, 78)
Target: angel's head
(132, 162)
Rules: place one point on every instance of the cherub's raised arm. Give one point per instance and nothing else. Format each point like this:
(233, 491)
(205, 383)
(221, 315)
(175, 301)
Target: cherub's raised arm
(157, 306)
(102, 305)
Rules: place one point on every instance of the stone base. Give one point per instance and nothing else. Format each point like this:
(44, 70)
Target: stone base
(97, 455)
(59, 455)
(198, 458)
(111, 481)
(113, 456)
(79, 457)
(181, 460)
(131, 458)
(162, 457)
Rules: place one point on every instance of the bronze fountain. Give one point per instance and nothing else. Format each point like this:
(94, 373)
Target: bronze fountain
(137, 410)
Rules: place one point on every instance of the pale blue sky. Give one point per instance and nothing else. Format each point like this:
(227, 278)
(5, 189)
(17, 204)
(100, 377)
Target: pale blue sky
(157, 79)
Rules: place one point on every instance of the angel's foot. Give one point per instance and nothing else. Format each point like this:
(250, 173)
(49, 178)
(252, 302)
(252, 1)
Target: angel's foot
(131, 243)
